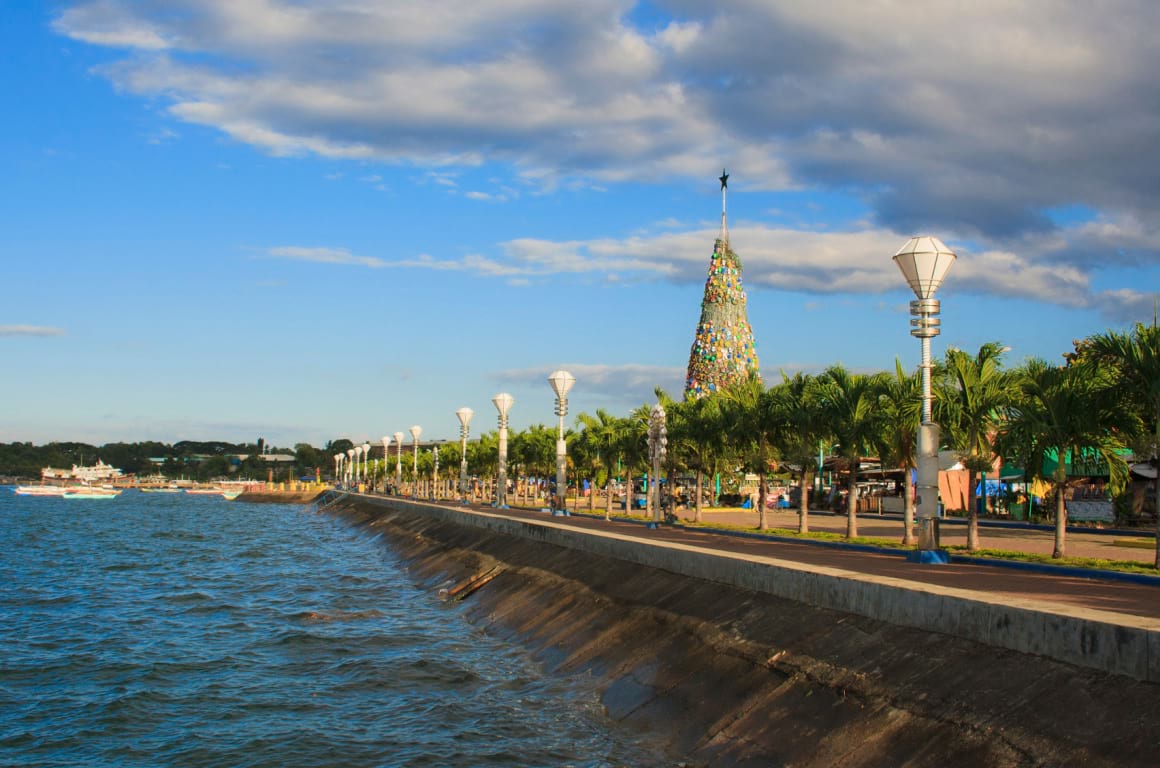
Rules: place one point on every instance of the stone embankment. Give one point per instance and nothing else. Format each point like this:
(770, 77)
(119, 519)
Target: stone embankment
(283, 493)
(731, 677)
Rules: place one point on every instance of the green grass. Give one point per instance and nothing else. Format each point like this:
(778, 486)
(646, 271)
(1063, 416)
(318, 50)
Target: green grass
(1123, 566)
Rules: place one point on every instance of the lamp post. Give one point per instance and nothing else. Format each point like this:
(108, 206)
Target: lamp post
(561, 382)
(658, 442)
(349, 462)
(435, 471)
(358, 451)
(398, 462)
(386, 441)
(503, 403)
(464, 415)
(415, 432)
(924, 262)
(337, 468)
(366, 462)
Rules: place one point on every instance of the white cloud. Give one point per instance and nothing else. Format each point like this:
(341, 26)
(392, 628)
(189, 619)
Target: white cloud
(30, 330)
(976, 119)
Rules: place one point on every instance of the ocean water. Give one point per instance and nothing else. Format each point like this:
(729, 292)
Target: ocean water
(174, 630)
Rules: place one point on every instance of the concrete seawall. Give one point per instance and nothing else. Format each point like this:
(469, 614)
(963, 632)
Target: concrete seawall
(759, 662)
(1117, 643)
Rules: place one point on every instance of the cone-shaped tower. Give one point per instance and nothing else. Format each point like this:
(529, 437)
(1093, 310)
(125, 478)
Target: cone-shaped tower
(723, 351)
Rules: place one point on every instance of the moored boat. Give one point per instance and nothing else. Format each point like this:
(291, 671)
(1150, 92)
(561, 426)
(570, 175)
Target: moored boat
(39, 490)
(91, 493)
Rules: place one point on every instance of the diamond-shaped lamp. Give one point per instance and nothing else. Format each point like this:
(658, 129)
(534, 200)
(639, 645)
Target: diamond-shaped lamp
(924, 262)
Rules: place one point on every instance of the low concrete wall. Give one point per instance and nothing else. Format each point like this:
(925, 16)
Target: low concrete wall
(1121, 644)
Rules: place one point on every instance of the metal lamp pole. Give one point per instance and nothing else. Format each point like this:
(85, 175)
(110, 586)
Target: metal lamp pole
(561, 382)
(398, 462)
(415, 432)
(435, 472)
(386, 441)
(366, 462)
(503, 403)
(349, 462)
(337, 468)
(657, 448)
(924, 262)
(464, 415)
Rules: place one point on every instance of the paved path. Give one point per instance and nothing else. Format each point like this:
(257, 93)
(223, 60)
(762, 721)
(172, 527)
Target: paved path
(1130, 599)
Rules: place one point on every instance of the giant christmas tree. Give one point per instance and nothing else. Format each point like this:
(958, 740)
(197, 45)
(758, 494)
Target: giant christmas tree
(724, 351)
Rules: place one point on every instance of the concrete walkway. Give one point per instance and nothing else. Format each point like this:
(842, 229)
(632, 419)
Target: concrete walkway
(1045, 589)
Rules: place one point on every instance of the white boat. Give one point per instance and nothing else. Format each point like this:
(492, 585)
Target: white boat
(90, 493)
(205, 491)
(39, 490)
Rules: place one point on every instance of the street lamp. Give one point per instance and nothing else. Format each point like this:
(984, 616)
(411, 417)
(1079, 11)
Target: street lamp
(386, 441)
(503, 403)
(398, 462)
(366, 462)
(415, 432)
(561, 382)
(658, 442)
(349, 461)
(924, 262)
(464, 415)
(435, 471)
(337, 468)
(358, 451)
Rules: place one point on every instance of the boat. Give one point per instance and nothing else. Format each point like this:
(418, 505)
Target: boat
(163, 489)
(205, 491)
(39, 490)
(90, 493)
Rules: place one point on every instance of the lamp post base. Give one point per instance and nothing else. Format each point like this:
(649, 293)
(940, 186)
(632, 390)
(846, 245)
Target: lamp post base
(929, 557)
(928, 550)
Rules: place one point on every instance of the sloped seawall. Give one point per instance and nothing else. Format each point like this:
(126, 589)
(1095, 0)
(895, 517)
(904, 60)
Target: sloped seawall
(732, 677)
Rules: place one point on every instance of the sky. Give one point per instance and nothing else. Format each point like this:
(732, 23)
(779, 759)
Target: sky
(305, 220)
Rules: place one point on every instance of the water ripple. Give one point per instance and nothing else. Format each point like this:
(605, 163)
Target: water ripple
(170, 630)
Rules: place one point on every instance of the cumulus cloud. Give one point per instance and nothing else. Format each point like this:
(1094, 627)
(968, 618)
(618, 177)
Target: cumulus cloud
(627, 386)
(976, 119)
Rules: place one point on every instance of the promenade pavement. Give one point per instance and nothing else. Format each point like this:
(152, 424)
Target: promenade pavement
(1067, 591)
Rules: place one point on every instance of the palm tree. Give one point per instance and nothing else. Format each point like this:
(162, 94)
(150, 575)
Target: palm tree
(902, 404)
(698, 434)
(972, 395)
(1135, 356)
(801, 425)
(1071, 411)
(603, 432)
(535, 450)
(850, 408)
(750, 418)
(632, 444)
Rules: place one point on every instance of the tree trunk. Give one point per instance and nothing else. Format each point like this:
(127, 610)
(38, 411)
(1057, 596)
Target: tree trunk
(972, 514)
(700, 485)
(852, 503)
(804, 505)
(628, 494)
(608, 498)
(761, 491)
(761, 488)
(592, 496)
(907, 508)
(1060, 521)
(1156, 512)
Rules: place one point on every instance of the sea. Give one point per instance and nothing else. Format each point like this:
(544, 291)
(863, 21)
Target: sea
(179, 630)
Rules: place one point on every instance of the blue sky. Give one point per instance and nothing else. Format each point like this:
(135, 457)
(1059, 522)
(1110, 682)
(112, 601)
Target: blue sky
(224, 219)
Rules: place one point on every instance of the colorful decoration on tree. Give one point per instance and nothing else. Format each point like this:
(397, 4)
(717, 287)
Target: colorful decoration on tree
(724, 351)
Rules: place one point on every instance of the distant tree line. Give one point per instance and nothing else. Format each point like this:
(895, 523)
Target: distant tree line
(195, 460)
